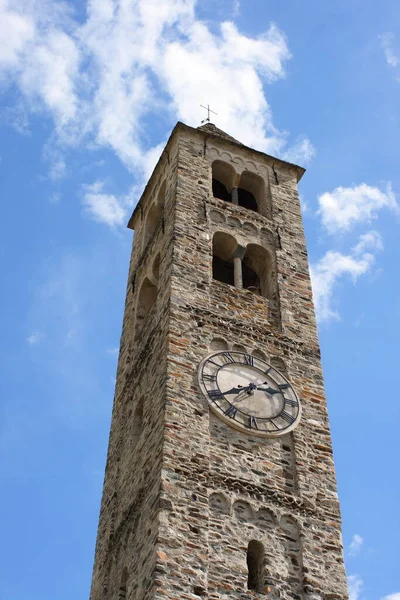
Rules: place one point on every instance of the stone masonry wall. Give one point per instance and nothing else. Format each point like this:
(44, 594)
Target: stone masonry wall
(181, 503)
(128, 524)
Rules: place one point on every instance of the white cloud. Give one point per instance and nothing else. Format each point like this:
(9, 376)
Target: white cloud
(34, 338)
(334, 266)
(304, 204)
(235, 8)
(101, 79)
(49, 74)
(395, 596)
(301, 153)
(387, 40)
(355, 586)
(355, 544)
(103, 208)
(372, 240)
(15, 32)
(230, 70)
(344, 207)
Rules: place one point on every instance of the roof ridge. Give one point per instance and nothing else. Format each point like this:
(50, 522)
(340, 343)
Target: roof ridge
(211, 128)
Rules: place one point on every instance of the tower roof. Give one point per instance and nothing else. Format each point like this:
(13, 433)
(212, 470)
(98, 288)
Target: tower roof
(211, 128)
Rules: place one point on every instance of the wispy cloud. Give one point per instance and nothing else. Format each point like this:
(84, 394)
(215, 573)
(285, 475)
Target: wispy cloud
(356, 585)
(335, 266)
(99, 80)
(302, 152)
(101, 207)
(355, 545)
(235, 8)
(35, 338)
(344, 207)
(387, 43)
(112, 351)
(395, 596)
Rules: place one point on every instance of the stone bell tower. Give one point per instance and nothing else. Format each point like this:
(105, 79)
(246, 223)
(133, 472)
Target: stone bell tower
(203, 495)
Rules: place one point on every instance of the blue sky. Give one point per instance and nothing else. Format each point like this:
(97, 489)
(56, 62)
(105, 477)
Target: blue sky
(89, 94)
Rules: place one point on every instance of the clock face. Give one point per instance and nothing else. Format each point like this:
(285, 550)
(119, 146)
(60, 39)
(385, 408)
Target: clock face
(249, 394)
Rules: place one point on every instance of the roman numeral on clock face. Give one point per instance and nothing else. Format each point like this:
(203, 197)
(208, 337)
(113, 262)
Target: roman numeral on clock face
(231, 412)
(208, 377)
(288, 418)
(253, 423)
(249, 360)
(227, 357)
(215, 394)
(291, 402)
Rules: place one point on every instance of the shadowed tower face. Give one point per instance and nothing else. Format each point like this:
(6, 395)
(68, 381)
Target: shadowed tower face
(220, 480)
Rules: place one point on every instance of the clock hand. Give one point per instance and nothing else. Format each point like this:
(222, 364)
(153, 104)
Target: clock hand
(236, 390)
(269, 390)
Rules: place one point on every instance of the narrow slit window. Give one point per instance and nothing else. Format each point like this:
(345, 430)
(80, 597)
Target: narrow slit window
(255, 565)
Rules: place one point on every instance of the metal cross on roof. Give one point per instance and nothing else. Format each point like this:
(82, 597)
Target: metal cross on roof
(208, 109)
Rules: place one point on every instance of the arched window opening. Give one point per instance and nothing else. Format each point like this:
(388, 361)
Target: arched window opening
(146, 298)
(223, 177)
(152, 219)
(251, 280)
(224, 246)
(220, 191)
(154, 215)
(257, 271)
(123, 585)
(255, 565)
(251, 193)
(247, 200)
(223, 270)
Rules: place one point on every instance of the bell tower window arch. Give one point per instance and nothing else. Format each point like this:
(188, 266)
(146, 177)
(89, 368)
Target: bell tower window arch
(223, 179)
(248, 191)
(249, 268)
(255, 565)
(251, 193)
(154, 215)
(223, 265)
(257, 271)
(147, 295)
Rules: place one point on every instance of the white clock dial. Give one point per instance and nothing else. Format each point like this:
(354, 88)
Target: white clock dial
(249, 394)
